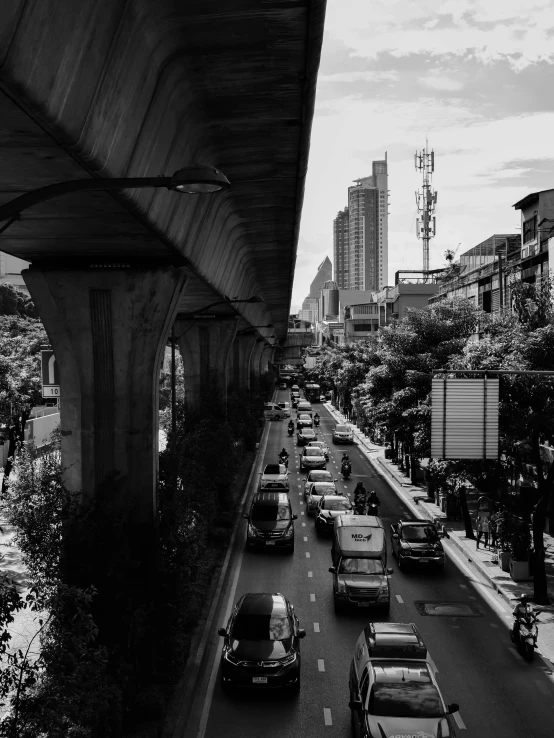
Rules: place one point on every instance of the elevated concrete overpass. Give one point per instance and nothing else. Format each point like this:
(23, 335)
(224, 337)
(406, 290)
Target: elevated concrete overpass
(141, 88)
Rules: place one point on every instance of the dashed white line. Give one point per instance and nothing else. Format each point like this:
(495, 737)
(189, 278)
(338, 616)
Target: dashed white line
(327, 716)
(459, 722)
(320, 665)
(305, 538)
(316, 627)
(310, 574)
(307, 554)
(312, 597)
(463, 586)
(399, 598)
(303, 525)
(302, 512)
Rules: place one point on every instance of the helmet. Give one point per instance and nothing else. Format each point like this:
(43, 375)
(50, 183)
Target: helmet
(523, 598)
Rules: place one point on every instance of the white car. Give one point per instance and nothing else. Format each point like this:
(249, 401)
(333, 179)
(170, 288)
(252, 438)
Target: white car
(343, 434)
(285, 407)
(318, 475)
(317, 491)
(322, 445)
(275, 478)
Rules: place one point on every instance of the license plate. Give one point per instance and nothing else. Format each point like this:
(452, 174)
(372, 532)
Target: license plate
(425, 561)
(363, 604)
(270, 543)
(259, 680)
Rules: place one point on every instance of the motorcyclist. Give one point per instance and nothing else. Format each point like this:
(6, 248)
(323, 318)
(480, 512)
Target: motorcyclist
(316, 418)
(345, 457)
(519, 611)
(373, 498)
(284, 456)
(291, 425)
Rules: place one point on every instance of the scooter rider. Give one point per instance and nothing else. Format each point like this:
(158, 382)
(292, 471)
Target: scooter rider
(284, 455)
(360, 500)
(316, 419)
(373, 499)
(345, 457)
(291, 425)
(519, 611)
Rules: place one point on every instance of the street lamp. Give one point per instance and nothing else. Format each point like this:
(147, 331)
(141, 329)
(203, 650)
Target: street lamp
(197, 179)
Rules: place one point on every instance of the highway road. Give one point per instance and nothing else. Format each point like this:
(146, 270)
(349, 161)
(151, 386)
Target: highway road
(499, 694)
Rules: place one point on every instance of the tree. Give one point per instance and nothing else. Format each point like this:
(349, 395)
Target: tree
(20, 378)
(16, 302)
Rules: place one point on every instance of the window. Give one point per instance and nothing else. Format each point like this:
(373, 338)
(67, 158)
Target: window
(530, 229)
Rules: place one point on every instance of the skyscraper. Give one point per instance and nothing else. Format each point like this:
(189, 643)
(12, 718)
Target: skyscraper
(309, 306)
(340, 248)
(361, 244)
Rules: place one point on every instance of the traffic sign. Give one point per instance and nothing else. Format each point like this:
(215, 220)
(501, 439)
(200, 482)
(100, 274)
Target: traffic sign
(50, 374)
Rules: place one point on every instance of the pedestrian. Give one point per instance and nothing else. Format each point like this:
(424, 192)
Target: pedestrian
(483, 525)
(493, 529)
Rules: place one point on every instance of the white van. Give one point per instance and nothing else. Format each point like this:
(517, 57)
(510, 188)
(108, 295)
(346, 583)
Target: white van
(273, 411)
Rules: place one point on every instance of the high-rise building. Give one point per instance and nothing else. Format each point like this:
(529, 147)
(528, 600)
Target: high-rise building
(340, 248)
(361, 243)
(324, 274)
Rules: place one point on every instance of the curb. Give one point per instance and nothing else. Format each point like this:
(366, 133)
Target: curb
(193, 665)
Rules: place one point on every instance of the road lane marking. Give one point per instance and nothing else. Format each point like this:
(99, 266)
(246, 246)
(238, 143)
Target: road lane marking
(463, 586)
(302, 512)
(312, 597)
(303, 525)
(301, 502)
(307, 554)
(305, 538)
(459, 722)
(320, 665)
(399, 598)
(316, 627)
(310, 574)
(327, 716)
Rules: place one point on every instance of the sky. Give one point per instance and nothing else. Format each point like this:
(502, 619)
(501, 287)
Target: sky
(476, 77)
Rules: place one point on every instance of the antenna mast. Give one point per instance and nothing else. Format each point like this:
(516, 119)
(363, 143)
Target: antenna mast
(426, 201)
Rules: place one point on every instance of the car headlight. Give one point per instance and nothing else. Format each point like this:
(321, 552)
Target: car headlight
(228, 656)
(444, 729)
(341, 587)
(289, 532)
(290, 659)
(252, 531)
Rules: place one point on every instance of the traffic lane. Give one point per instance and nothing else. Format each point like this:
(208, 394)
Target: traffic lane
(474, 655)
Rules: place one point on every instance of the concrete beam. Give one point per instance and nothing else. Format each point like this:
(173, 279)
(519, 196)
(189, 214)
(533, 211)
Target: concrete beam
(238, 366)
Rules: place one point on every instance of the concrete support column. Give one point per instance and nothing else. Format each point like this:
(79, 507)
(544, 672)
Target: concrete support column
(238, 366)
(255, 362)
(266, 357)
(205, 347)
(108, 329)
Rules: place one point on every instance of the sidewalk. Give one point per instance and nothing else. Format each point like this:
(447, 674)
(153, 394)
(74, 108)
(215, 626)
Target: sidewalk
(481, 558)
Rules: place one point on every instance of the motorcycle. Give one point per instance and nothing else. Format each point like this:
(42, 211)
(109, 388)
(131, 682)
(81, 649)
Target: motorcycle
(373, 508)
(526, 638)
(345, 469)
(290, 430)
(316, 422)
(284, 460)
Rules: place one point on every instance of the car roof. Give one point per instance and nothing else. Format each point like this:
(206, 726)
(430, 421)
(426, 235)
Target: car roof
(271, 498)
(262, 603)
(273, 469)
(359, 521)
(390, 641)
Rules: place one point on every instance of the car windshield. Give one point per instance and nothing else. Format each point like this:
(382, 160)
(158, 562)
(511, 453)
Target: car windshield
(267, 513)
(323, 489)
(272, 469)
(415, 533)
(308, 433)
(253, 627)
(404, 693)
(316, 444)
(311, 451)
(361, 566)
(336, 505)
(342, 428)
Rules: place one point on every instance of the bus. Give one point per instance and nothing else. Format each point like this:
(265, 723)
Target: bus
(312, 392)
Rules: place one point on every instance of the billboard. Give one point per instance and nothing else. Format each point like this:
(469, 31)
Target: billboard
(464, 418)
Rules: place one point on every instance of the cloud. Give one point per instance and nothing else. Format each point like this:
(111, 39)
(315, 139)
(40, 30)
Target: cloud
(437, 82)
(360, 76)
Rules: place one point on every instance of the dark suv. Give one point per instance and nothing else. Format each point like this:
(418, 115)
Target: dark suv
(262, 644)
(271, 522)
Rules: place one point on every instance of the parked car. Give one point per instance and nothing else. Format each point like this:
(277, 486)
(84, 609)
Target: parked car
(304, 436)
(261, 644)
(417, 542)
(271, 522)
(393, 688)
(312, 458)
(275, 478)
(342, 434)
(273, 411)
(329, 508)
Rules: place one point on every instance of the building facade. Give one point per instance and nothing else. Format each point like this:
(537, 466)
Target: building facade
(360, 233)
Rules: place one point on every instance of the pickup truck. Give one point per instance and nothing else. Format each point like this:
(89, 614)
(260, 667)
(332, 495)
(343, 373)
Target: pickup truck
(417, 542)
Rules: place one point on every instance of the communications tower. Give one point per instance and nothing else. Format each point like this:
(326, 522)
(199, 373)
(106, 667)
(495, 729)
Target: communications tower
(426, 201)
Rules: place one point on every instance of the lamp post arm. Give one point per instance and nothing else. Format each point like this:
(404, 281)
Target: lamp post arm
(15, 207)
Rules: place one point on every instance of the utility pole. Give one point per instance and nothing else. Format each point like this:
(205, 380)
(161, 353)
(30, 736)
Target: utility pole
(426, 201)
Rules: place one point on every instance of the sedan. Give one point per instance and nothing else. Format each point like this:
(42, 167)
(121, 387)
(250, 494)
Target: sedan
(317, 491)
(312, 458)
(322, 445)
(329, 508)
(318, 475)
(275, 478)
(304, 436)
(261, 646)
(343, 434)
